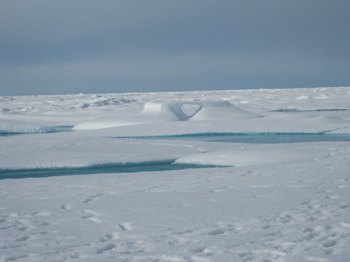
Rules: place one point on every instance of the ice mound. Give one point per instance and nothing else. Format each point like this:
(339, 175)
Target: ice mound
(208, 110)
(169, 112)
(164, 111)
(152, 112)
(11, 126)
(221, 110)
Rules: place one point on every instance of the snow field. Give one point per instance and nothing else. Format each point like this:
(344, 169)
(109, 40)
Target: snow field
(273, 212)
(267, 202)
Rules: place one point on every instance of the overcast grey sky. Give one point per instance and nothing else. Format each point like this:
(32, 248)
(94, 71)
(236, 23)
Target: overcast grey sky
(86, 46)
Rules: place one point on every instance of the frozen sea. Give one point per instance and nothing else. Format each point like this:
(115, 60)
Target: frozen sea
(241, 175)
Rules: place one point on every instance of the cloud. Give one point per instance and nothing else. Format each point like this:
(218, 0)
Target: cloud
(78, 44)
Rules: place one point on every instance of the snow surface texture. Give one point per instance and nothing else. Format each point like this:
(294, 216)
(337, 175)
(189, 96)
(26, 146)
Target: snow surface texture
(267, 202)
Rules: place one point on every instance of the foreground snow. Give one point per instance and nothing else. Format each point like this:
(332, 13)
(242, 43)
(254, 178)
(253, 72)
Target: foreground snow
(263, 202)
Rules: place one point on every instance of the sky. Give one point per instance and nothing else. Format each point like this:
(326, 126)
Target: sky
(112, 46)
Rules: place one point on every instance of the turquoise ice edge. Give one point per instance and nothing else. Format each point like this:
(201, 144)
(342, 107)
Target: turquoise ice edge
(251, 137)
(151, 166)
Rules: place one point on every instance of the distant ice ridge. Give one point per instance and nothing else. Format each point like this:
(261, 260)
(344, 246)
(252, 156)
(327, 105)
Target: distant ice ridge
(171, 111)
(11, 126)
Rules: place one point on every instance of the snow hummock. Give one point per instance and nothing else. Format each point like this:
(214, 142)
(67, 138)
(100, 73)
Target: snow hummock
(253, 201)
(164, 111)
(168, 111)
